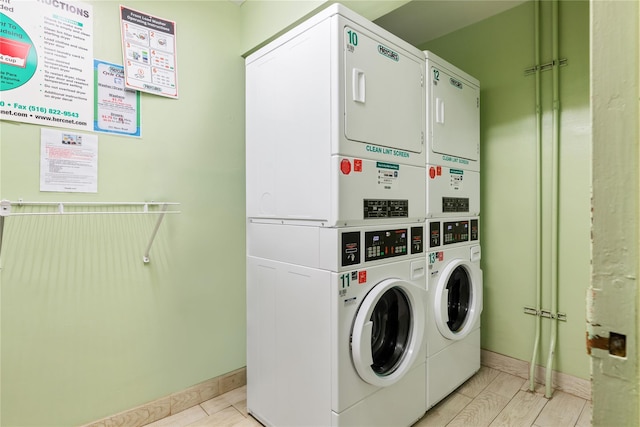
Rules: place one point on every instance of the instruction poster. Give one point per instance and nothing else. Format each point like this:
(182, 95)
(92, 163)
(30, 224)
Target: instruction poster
(46, 63)
(117, 108)
(68, 161)
(149, 53)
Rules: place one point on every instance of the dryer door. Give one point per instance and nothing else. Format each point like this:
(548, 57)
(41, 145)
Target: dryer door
(387, 332)
(384, 96)
(458, 299)
(454, 121)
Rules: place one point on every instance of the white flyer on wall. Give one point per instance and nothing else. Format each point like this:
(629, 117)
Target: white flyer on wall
(68, 161)
(46, 63)
(149, 53)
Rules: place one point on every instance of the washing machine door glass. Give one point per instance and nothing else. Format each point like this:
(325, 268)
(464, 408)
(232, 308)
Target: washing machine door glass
(458, 299)
(391, 319)
(387, 332)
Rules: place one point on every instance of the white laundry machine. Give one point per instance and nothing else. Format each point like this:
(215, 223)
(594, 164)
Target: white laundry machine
(453, 140)
(455, 305)
(335, 325)
(335, 122)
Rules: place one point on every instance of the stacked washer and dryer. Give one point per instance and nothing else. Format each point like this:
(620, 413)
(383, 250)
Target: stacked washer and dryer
(347, 311)
(454, 283)
(336, 264)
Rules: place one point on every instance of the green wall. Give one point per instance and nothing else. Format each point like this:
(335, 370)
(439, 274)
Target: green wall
(497, 51)
(88, 330)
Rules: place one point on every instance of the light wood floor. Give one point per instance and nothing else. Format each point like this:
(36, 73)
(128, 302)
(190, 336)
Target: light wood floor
(228, 410)
(494, 398)
(489, 398)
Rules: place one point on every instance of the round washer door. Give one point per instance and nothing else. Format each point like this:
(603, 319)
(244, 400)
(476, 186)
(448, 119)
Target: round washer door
(458, 299)
(387, 332)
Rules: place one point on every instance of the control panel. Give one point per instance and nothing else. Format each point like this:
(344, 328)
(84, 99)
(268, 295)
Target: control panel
(451, 232)
(455, 204)
(381, 244)
(455, 232)
(376, 208)
(386, 244)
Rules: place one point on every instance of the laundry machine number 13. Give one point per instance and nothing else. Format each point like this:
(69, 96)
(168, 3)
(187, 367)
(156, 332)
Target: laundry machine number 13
(436, 256)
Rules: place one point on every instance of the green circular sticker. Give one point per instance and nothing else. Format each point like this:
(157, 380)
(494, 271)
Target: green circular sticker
(18, 56)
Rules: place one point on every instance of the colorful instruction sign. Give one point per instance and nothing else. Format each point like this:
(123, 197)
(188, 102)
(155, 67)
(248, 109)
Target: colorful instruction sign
(149, 53)
(117, 108)
(46, 63)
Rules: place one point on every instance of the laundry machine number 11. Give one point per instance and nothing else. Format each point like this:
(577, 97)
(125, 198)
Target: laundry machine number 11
(359, 277)
(345, 280)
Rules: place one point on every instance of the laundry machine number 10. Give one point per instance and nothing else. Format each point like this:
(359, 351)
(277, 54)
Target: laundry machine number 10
(353, 37)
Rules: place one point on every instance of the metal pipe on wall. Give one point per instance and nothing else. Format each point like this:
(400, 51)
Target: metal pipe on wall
(555, 190)
(536, 342)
